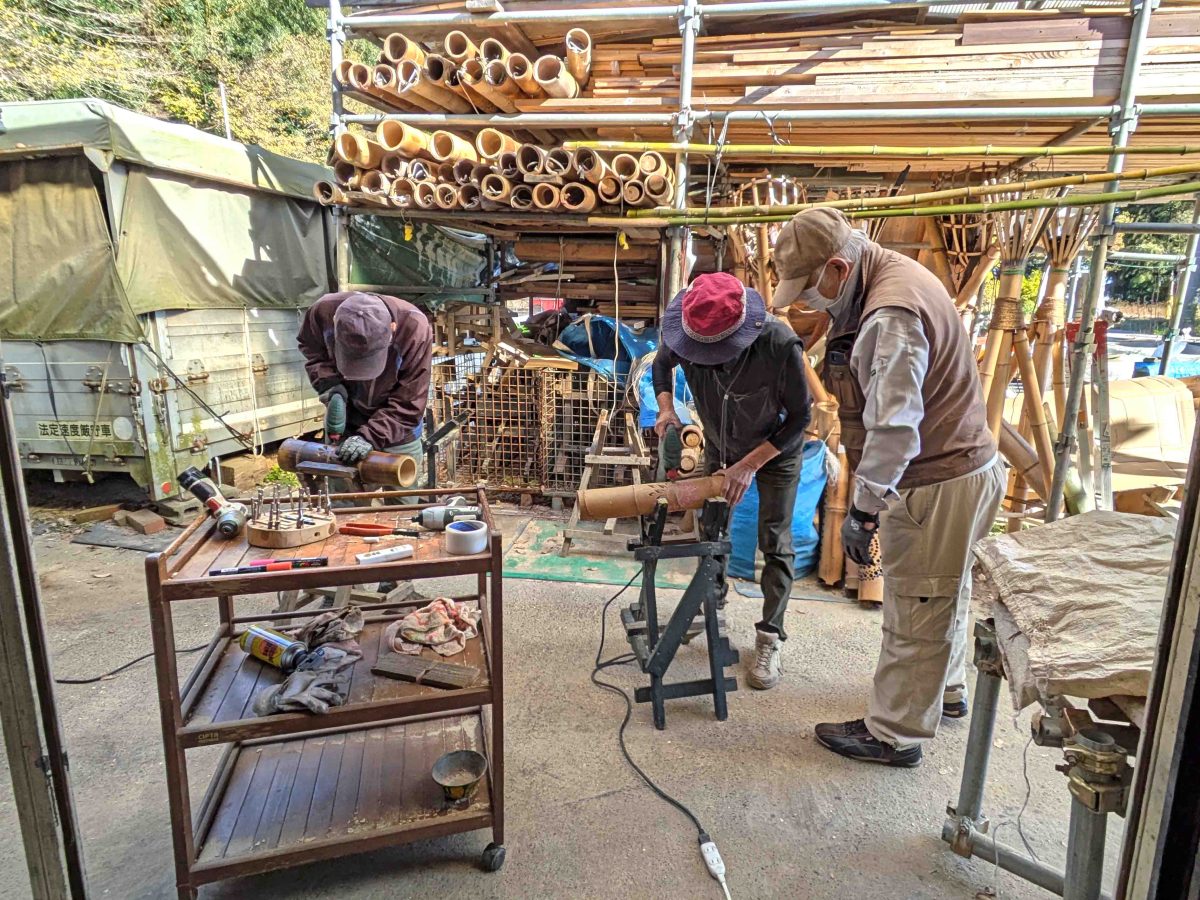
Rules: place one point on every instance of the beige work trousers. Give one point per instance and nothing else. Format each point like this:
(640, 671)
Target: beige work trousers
(926, 537)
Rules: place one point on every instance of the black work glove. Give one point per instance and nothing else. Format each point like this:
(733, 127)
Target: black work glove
(857, 532)
(353, 449)
(338, 390)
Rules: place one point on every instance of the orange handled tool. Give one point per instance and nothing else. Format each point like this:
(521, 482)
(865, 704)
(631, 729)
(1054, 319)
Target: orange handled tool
(374, 529)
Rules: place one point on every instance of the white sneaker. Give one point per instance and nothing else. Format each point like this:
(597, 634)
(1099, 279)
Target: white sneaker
(768, 666)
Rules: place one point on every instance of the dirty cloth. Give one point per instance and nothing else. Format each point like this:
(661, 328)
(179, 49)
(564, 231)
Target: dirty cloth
(1077, 603)
(320, 681)
(444, 625)
(322, 677)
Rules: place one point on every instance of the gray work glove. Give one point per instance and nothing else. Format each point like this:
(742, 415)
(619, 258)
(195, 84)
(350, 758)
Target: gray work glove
(857, 532)
(353, 449)
(321, 681)
(338, 390)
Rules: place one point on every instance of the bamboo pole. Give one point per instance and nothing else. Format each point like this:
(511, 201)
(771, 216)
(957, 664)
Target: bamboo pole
(832, 559)
(552, 76)
(397, 48)
(729, 151)
(888, 200)
(1035, 409)
(578, 198)
(579, 55)
(520, 70)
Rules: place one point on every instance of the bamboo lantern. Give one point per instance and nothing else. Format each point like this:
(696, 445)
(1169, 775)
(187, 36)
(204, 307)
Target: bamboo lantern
(579, 55)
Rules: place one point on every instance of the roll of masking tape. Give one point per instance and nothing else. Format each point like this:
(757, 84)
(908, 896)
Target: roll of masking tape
(466, 537)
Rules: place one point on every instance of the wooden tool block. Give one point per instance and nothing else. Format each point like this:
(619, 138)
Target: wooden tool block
(425, 671)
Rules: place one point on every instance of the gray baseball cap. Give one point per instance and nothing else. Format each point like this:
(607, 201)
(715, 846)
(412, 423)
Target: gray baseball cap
(362, 336)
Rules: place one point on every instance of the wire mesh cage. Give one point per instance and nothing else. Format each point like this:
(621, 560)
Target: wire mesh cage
(571, 405)
(500, 442)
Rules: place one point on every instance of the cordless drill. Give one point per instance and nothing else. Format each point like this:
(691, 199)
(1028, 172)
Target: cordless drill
(335, 418)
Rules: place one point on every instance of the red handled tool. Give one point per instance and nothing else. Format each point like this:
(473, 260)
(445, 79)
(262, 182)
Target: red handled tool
(375, 529)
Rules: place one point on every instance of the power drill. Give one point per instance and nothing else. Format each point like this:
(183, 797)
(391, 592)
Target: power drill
(231, 517)
(670, 454)
(335, 418)
(436, 518)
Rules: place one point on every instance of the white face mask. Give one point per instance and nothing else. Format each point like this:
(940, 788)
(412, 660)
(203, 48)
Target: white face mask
(812, 296)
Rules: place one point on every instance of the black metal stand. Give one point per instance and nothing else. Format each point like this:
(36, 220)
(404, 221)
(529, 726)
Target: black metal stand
(655, 651)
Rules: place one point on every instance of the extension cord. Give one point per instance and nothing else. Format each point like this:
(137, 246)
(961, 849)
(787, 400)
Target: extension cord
(713, 862)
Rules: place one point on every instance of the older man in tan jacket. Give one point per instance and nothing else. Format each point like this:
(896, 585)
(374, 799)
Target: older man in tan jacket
(927, 474)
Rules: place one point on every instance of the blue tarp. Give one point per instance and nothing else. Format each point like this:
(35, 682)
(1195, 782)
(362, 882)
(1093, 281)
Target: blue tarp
(743, 524)
(1184, 367)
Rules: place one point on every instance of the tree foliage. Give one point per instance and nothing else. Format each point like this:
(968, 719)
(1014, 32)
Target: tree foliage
(1148, 282)
(167, 57)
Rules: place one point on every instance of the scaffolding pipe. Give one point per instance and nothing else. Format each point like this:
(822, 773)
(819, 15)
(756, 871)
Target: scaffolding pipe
(679, 244)
(1125, 121)
(1183, 288)
(1157, 227)
(730, 151)
(1147, 257)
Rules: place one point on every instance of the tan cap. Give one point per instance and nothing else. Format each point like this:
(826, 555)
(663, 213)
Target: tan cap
(803, 246)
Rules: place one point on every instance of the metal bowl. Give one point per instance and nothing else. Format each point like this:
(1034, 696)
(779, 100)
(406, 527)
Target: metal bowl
(458, 773)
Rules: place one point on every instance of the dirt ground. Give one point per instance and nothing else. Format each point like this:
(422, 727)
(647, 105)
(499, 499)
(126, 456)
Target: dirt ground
(791, 819)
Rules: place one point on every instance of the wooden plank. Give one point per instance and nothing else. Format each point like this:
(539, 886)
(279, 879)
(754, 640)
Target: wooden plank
(231, 804)
(317, 824)
(370, 785)
(392, 777)
(349, 775)
(274, 810)
(242, 839)
(295, 816)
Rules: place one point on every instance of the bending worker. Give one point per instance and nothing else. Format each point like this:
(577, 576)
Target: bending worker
(374, 351)
(927, 474)
(743, 366)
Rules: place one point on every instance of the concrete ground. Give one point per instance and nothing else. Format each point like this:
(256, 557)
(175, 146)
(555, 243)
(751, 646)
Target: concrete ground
(791, 819)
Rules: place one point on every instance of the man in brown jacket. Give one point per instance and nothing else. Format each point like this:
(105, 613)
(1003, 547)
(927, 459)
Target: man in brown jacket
(373, 350)
(926, 471)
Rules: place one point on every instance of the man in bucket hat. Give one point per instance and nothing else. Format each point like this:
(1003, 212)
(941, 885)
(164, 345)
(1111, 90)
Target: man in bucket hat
(927, 474)
(747, 375)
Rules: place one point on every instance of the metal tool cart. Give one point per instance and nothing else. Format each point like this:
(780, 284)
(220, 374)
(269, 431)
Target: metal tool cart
(297, 788)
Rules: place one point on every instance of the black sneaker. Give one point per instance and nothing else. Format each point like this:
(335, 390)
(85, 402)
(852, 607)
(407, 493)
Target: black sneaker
(955, 710)
(852, 740)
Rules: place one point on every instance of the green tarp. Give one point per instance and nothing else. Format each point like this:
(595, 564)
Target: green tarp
(381, 255)
(59, 281)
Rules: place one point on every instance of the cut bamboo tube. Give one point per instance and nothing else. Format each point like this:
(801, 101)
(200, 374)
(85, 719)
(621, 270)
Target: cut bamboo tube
(447, 146)
(361, 78)
(691, 436)
(396, 137)
(459, 47)
(421, 170)
(625, 167)
(491, 143)
(444, 172)
(369, 152)
(496, 188)
(552, 77)
(469, 196)
(479, 172)
(393, 165)
(520, 70)
(689, 460)
(521, 197)
(345, 147)
(342, 73)
(495, 73)
(591, 165)
(377, 468)
(832, 560)
(578, 198)
(652, 163)
(424, 194)
(440, 70)
(486, 97)
(559, 162)
(634, 194)
(609, 190)
(870, 577)
(507, 166)
(640, 499)
(327, 193)
(345, 172)
(531, 159)
(547, 196)
(397, 49)
(387, 85)
(579, 55)
(463, 169)
(988, 150)
(401, 194)
(659, 189)
(415, 80)
(491, 50)
(446, 196)
(374, 182)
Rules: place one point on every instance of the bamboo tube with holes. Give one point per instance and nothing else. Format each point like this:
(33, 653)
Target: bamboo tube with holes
(552, 76)
(870, 577)
(520, 70)
(397, 137)
(559, 162)
(327, 193)
(445, 196)
(491, 143)
(507, 166)
(459, 47)
(424, 194)
(579, 55)
(832, 560)
(447, 146)
(640, 499)
(495, 73)
(592, 166)
(491, 50)
(634, 194)
(414, 81)
(531, 159)
(496, 188)
(652, 163)
(609, 190)
(469, 196)
(521, 197)
(397, 49)
(377, 468)
(547, 196)
(659, 189)
(625, 167)
(463, 169)
(578, 198)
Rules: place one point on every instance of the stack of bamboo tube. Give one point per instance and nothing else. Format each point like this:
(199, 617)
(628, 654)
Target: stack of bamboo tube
(406, 168)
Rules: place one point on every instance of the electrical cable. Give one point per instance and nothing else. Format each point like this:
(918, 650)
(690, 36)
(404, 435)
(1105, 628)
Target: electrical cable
(123, 667)
(708, 849)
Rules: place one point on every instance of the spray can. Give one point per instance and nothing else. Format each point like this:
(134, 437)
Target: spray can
(272, 647)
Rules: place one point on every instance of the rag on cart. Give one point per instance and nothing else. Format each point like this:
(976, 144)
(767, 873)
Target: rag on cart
(444, 625)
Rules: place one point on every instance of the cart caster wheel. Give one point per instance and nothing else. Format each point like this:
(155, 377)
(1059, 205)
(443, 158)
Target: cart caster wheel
(493, 858)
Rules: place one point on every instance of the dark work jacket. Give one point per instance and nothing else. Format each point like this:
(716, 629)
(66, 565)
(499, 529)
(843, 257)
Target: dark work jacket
(760, 396)
(387, 412)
